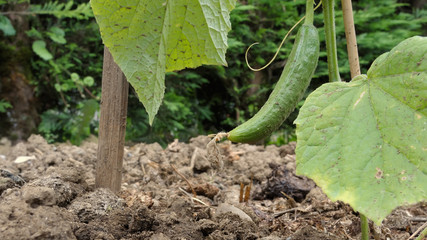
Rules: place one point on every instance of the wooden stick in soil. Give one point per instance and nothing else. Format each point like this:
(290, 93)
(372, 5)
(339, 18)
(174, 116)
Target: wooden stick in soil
(112, 125)
(185, 179)
(248, 191)
(350, 34)
(242, 189)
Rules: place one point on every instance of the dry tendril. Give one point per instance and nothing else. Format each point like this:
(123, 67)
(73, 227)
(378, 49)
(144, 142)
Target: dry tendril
(214, 155)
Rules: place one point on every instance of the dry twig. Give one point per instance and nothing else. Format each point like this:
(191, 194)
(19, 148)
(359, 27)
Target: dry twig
(278, 214)
(242, 187)
(185, 179)
(424, 226)
(292, 202)
(346, 234)
(248, 191)
(419, 219)
(193, 198)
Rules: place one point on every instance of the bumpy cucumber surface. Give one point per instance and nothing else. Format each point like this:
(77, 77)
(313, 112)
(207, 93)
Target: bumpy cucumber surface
(289, 90)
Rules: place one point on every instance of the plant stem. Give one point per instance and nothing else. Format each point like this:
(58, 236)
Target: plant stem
(422, 234)
(331, 43)
(364, 222)
(350, 34)
(309, 12)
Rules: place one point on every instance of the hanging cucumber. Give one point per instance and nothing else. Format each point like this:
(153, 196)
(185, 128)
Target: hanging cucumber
(290, 88)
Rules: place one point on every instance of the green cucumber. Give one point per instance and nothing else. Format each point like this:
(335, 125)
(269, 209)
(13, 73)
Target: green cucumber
(289, 90)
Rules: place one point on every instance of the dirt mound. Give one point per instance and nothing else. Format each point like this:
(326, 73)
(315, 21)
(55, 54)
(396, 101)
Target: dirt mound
(47, 192)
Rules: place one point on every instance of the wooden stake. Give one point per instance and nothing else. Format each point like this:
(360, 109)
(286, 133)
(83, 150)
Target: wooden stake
(350, 34)
(112, 125)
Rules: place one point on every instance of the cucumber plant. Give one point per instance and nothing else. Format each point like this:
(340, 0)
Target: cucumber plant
(289, 89)
(363, 142)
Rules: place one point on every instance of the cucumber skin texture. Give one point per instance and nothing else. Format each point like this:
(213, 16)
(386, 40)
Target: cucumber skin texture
(289, 90)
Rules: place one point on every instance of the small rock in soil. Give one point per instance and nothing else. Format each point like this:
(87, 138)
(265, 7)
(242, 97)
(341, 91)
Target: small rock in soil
(282, 180)
(15, 178)
(224, 208)
(207, 226)
(6, 183)
(201, 162)
(95, 204)
(231, 226)
(143, 219)
(206, 190)
(311, 233)
(36, 196)
(65, 192)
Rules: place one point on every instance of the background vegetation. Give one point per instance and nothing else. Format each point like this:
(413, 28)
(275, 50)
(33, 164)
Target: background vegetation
(51, 65)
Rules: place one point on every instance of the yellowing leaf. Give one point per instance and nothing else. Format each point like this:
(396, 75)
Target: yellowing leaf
(365, 142)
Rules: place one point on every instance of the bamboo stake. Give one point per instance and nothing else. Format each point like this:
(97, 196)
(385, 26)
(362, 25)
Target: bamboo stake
(350, 34)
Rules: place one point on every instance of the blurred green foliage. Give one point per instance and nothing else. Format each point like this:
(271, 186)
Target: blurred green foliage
(66, 45)
(4, 105)
(67, 67)
(67, 125)
(181, 115)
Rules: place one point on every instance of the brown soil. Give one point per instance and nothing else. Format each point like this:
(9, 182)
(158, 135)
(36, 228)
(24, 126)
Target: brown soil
(51, 195)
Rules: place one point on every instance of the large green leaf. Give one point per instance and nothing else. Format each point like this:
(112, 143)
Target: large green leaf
(365, 142)
(148, 38)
